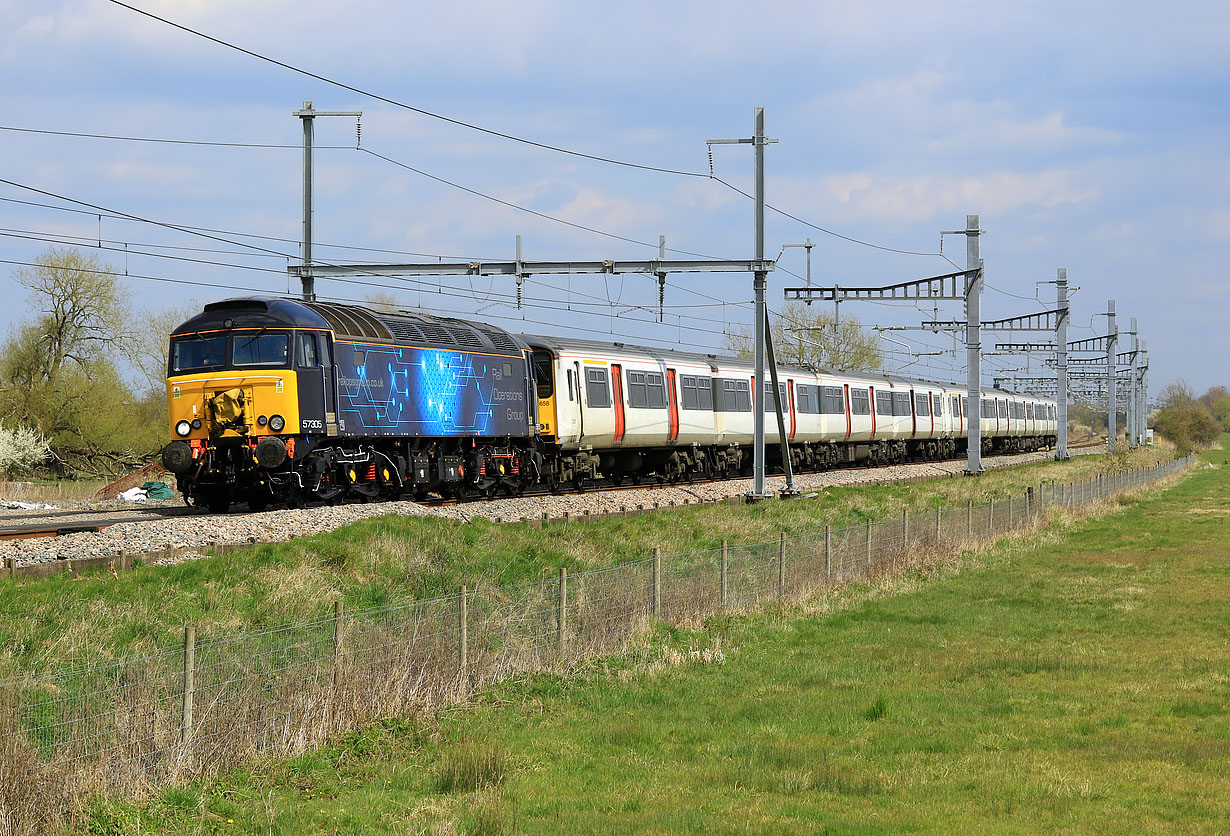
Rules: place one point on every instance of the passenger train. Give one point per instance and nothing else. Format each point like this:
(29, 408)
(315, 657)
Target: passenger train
(283, 401)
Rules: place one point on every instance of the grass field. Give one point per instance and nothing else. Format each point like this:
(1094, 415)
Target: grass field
(1076, 684)
(389, 560)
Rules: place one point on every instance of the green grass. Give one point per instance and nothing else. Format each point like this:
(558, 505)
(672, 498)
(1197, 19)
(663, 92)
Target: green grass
(391, 560)
(1077, 684)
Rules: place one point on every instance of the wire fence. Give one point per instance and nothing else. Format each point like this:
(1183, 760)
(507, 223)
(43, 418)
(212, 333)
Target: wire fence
(209, 705)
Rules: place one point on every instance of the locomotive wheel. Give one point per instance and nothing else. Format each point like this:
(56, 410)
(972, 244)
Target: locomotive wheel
(219, 503)
(256, 504)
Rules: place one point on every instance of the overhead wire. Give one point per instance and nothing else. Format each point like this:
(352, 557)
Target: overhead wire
(421, 111)
(500, 134)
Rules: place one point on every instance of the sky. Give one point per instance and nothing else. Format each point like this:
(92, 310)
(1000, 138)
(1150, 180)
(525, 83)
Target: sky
(1090, 136)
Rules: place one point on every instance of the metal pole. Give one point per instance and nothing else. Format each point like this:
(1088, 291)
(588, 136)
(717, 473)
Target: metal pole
(1112, 405)
(1144, 391)
(1133, 391)
(1061, 369)
(309, 282)
(782, 438)
(973, 344)
(761, 313)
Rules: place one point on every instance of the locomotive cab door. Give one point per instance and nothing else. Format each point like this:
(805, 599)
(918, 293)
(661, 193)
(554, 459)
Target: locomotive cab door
(314, 372)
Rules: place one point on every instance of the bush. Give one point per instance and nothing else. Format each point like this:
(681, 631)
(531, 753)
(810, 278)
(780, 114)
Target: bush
(1188, 427)
(21, 449)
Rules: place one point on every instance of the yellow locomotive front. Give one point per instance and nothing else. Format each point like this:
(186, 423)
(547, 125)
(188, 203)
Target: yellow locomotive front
(233, 399)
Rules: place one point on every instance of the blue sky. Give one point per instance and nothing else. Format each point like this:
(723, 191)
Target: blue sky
(1090, 136)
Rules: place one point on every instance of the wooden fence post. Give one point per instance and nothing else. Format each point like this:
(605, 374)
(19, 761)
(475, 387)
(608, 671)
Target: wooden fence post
(828, 553)
(723, 573)
(969, 521)
(939, 515)
(562, 621)
(337, 644)
(185, 725)
(868, 537)
(657, 582)
(463, 617)
(991, 518)
(905, 529)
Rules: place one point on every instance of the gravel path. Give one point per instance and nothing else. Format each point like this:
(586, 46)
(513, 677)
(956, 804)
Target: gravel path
(195, 531)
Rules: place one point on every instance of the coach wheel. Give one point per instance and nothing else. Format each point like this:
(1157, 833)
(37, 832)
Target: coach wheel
(256, 504)
(219, 503)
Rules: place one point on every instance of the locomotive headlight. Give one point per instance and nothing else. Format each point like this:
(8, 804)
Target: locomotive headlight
(262, 421)
(276, 423)
(196, 423)
(183, 428)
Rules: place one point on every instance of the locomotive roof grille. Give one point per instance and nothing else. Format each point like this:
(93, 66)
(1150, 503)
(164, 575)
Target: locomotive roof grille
(501, 341)
(466, 337)
(437, 334)
(350, 320)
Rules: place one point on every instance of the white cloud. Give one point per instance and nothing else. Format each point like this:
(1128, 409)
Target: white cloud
(921, 197)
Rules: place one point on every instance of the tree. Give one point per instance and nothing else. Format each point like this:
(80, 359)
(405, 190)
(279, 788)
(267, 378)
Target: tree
(807, 337)
(60, 369)
(1178, 393)
(80, 312)
(1221, 411)
(1211, 397)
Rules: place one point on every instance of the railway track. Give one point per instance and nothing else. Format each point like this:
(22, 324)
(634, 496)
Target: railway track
(41, 524)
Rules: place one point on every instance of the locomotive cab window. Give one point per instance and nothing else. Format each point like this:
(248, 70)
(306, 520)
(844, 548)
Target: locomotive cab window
(597, 390)
(197, 353)
(259, 350)
(305, 352)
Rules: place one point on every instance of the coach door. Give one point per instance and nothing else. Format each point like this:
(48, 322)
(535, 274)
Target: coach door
(617, 400)
(846, 398)
(672, 404)
(871, 402)
(790, 401)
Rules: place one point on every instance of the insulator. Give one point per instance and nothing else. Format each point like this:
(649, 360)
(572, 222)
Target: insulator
(358, 133)
(519, 280)
(661, 295)
(710, 160)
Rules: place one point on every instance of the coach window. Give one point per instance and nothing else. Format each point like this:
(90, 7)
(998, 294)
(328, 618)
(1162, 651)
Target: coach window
(570, 385)
(938, 402)
(597, 392)
(656, 390)
(1003, 409)
(697, 392)
(769, 406)
(637, 396)
(922, 405)
(860, 402)
(831, 402)
(965, 405)
(804, 399)
(743, 396)
(901, 404)
(884, 403)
